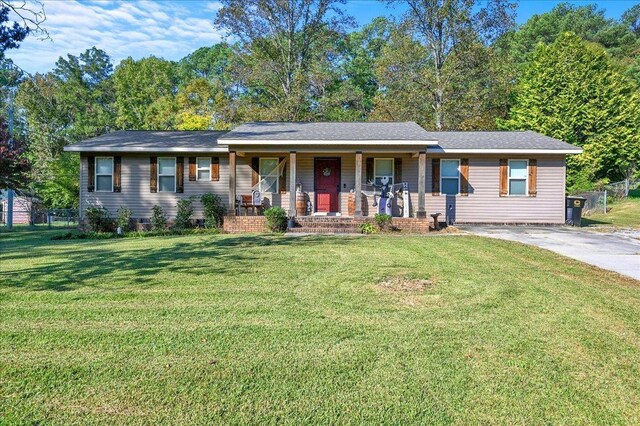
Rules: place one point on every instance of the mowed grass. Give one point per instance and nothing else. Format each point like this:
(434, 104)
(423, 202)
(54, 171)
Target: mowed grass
(624, 213)
(273, 329)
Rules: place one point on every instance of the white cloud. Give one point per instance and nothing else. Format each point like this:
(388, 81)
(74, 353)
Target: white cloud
(168, 29)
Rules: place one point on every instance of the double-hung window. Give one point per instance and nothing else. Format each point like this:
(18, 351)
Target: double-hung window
(450, 177)
(167, 174)
(268, 174)
(204, 168)
(382, 167)
(518, 171)
(104, 174)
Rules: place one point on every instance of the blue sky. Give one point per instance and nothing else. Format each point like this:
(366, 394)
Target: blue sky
(173, 29)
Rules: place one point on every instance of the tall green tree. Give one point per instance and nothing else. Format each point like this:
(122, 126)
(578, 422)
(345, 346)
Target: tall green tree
(570, 90)
(446, 29)
(145, 94)
(588, 22)
(280, 43)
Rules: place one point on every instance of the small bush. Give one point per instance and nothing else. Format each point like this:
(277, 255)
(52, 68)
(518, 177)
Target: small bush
(184, 214)
(368, 228)
(124, 218)
(98, 219)
(158, 219)
(276, 219)
(383, 221)
(213, 210)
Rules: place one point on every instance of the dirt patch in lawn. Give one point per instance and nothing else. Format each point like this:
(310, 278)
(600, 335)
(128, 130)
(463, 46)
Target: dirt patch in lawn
(402, 283)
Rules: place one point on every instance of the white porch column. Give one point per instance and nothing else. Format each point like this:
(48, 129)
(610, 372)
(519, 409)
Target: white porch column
(292, 183)
(422, 183)
(358, 185)
(232, 184)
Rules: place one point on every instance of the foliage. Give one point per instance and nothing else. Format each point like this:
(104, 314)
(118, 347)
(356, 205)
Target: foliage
(145, 94)
(124, 218)
(213, 210)
(368, 228)
(158, 219)
(587, 22)
(593, 106)
(443, 31)
(10, 35)
(383, 221)
(276, 219)
(99, 220)
(14, 164)
(184, 215)
(61, 190)
(281, 45)
(71, 103)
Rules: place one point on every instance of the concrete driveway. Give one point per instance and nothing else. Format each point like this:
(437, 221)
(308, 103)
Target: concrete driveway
(617, 251)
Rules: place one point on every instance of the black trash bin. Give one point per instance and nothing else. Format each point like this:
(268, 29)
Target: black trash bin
(574, 210)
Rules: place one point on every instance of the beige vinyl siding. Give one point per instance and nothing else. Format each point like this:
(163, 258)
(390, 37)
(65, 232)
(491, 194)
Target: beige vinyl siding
(482, 205)
(135, 192)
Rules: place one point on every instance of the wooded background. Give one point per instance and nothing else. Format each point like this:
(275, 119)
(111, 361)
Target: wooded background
(571, 73)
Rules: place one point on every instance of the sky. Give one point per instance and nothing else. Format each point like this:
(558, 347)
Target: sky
(174, 28)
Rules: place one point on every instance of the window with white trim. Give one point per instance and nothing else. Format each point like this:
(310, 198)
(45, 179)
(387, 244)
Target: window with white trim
(167, 174)
(450, 177)
(268, 174)
(104, 174)
(204, 168)
(382, 167)
(518, 177)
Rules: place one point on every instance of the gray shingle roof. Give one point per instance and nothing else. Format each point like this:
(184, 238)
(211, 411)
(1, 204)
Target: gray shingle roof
(514, 140)
(152, 141)
(327, 131)
(356, 133)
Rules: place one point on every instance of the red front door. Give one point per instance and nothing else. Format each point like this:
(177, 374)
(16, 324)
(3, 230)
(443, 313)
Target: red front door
(327, 184)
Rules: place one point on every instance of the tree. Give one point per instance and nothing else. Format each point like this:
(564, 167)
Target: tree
(203, 105)
(350, 84)
(279, 43)
(444, 29)
(631, 18)
(588, 22)
(14, 164)
(145, 94)
(570, 90)
(71, 103)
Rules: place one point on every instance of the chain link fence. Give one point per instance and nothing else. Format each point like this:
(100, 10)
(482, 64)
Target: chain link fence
(620, 190)
(41, 218)
(596, 201)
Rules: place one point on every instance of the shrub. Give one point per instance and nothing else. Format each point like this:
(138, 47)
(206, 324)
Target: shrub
(276, 219)
(213, 210)
(368, 228)
(184, 214)
(99, 220)
(383, 220)
(124, 218)
(158, 220)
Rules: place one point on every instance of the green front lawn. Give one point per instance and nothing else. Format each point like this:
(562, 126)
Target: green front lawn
(623, 213)
(209, 329)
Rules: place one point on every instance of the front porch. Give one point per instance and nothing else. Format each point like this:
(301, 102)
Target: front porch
(320, 183)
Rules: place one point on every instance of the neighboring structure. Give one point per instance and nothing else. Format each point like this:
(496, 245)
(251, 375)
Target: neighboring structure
(469, 177)
(24, 209)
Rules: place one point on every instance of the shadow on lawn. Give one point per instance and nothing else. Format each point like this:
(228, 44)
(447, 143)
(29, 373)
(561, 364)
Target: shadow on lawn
(211, 255)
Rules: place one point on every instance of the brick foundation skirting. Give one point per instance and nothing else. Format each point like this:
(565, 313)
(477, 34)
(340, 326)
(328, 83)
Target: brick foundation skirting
(240, 224)
(256, 224)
